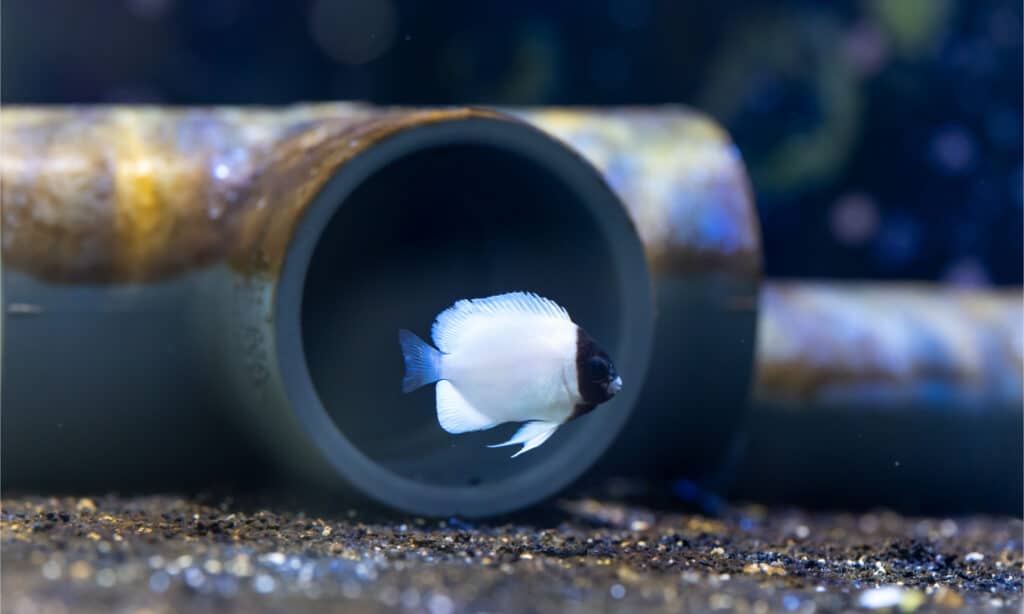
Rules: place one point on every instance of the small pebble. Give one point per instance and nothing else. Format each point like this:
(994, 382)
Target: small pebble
(80, 570)
(106, 578)
(440, 604)
(891, 596)
(264, 584)
(159, 582)
(947, 598)
(52, 570)
(883, 597)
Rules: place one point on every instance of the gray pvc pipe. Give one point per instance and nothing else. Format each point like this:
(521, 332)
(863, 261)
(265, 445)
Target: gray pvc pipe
(119, 383)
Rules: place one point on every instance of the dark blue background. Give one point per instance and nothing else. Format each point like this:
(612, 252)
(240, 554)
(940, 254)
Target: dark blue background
(883, 136)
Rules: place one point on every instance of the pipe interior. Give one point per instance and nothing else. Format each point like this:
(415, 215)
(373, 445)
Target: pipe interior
(434, 226)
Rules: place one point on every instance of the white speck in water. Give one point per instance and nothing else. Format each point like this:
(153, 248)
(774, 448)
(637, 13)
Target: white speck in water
(221, 171)
(855, 219)
(24, 309)
(617, 591)
(974, 557)
(802, 531)
(264, 584)
(440, 604)
(896, 464)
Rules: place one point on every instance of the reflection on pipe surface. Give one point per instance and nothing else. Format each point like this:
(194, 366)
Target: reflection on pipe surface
(886, 345)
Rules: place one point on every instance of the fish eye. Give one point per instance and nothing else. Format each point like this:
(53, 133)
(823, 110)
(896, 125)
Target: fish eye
(598, 368)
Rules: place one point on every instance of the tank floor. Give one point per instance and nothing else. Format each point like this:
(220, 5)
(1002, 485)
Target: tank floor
(166, 554)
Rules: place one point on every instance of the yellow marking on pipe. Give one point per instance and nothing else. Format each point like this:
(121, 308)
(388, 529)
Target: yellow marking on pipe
(142, 222)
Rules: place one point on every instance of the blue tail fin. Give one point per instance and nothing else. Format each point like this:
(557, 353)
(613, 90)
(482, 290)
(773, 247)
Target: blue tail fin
(422, 362)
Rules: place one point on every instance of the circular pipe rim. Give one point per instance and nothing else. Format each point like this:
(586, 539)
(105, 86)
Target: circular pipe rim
(577, 453)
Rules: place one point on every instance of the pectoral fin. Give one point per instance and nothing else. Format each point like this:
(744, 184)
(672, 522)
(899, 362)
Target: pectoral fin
(455, 413)
(530, 435)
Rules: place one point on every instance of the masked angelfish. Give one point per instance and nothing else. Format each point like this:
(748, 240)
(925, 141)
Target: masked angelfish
(515, 357)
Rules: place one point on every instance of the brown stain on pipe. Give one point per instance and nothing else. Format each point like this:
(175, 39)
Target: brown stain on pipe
(118, 194)
(299, 167)
(140, 194)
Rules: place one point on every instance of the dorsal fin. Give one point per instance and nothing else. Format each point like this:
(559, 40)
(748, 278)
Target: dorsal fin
(449, 322)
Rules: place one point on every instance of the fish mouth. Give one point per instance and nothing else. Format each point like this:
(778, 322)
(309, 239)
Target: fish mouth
(615, 386)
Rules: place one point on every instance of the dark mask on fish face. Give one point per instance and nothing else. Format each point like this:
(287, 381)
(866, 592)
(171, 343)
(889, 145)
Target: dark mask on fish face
(596, 377)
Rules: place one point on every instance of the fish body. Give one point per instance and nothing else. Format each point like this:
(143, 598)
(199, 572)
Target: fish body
(514, 357)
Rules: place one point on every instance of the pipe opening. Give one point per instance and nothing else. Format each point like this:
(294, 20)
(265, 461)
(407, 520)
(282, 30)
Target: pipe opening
(452, 222)
(439, 214)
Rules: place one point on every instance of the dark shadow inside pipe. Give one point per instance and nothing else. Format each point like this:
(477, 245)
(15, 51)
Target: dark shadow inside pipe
(431, 227)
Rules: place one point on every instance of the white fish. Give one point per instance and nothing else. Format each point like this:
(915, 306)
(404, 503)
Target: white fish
(514, 357)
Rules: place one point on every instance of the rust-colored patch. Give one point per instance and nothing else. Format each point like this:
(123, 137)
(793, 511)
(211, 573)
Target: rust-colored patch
(139, 194)
(298, 169)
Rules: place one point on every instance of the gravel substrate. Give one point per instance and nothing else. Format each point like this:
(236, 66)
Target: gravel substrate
(166, 554)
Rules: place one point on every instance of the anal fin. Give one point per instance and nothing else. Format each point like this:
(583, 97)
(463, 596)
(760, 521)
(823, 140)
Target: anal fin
(530, 435)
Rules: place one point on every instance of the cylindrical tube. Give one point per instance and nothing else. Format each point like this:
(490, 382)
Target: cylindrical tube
(161, 266)
(910, 395)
